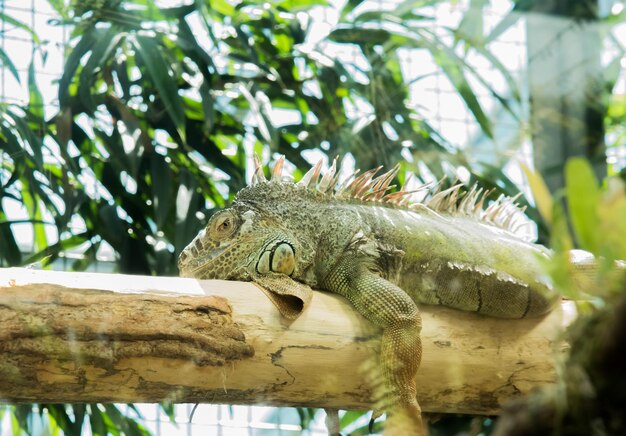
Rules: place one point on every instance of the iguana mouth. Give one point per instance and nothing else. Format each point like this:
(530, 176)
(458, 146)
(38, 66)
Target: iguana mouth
(204, 266)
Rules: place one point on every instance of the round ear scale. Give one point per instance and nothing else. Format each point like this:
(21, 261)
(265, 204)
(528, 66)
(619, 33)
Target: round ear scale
(504, 212)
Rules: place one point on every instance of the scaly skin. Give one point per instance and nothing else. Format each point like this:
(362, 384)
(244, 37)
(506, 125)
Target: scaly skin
(383, 258)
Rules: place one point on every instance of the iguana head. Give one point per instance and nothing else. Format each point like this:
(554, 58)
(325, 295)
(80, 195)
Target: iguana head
(240, 243)
(251, 238)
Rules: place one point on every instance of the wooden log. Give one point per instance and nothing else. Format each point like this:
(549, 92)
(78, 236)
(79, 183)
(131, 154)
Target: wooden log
(88, 337)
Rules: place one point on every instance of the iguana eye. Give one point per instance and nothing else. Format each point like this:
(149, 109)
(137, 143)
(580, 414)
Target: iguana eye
(223, 224)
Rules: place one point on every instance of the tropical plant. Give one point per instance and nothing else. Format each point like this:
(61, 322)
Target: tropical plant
(159, 105)
(589, 392)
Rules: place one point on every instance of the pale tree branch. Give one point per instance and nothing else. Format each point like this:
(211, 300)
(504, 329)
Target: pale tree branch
(88, 337)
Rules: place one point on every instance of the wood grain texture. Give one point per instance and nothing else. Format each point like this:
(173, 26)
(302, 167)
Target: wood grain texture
(88, 337)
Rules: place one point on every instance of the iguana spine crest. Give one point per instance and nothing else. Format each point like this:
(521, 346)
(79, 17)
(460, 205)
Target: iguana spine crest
(504, 212)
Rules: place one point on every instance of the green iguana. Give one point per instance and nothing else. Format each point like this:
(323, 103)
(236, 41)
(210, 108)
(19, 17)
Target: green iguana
(384, 254)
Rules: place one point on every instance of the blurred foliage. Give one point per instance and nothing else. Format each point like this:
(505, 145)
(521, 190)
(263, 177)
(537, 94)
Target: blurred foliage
(590, 393)
(598, 223)
(161, 107)
(51, 419)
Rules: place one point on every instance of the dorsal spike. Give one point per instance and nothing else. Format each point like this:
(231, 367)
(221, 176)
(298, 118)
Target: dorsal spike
(509, 219)
(467, 201)
(326, 182)
(376, 194)
(479, 206)
(408, 180)
(504, 212)
(362, 183)
(257, 176)
(277, 174)
(494, 209)
(453, 198)
(382, 182)
(310, 178)
(344, 185)
(441, 200)
(437, 187)
(393, 196)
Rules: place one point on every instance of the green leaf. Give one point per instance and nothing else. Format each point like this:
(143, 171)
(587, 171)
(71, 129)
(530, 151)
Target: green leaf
(115, 230)
(300, 5)
(32, 206)
(471, 26)
(162, 188)
(101, 51)
(60, 7)
(8, 63)
(561, 242)
(96, 421)
(349, 417)
(35, 101)
(509, 20)
(8, 19)
(125, 423)
(52, 251)
(169, 410)
(223, 7)
(9, 250)
(457, 77)
(208, 107)
(32, 139)
(160, 73)
(583, 199)
(353, 34)
(187, 200)
(349, 7)
(612, 214)
(541, 193)
(84, 45)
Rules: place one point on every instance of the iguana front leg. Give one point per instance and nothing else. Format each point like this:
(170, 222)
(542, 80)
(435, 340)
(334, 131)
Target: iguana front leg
(389, 307)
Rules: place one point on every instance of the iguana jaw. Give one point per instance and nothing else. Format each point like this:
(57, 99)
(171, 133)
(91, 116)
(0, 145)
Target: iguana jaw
(226, 260)
(200, 267)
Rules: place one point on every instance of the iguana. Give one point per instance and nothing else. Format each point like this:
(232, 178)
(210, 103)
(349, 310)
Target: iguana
(382, 252)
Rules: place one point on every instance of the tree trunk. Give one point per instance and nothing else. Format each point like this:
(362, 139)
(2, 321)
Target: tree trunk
(86, 337)
(565, 83)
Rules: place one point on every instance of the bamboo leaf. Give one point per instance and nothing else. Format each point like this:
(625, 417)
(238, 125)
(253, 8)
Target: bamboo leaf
(101, 51)
(9, 250)
(508, 21)
(6, 62)
(583, 199)
(471, 26)
(612, 215)
(458, 79)
(541, 193)
(20, 25)
(162, 192)
(96, 421)
(84, 45)
(35, 101)
(34, 210)
(51, 252)
(160, 73)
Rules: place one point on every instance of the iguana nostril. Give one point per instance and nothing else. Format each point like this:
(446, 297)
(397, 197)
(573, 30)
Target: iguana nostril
(284, 260)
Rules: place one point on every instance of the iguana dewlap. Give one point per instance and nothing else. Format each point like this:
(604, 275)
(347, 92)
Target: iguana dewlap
(384, 254)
